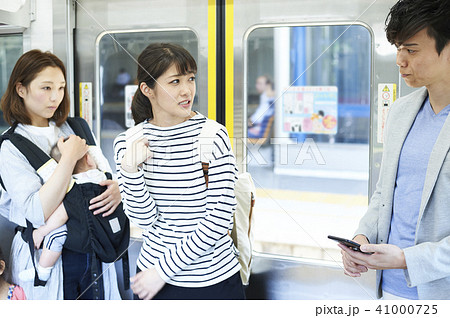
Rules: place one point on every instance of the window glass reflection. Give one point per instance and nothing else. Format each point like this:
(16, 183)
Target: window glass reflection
(308, 102)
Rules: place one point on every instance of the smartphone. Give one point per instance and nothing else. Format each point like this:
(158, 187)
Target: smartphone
(349, 243)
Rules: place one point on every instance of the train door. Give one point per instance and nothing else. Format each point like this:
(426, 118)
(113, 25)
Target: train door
(306, 80)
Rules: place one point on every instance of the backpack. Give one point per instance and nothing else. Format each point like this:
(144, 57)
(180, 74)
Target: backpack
(106, 238)
(244, 191)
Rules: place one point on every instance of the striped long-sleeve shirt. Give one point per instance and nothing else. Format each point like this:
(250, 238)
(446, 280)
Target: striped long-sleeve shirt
(185, 224)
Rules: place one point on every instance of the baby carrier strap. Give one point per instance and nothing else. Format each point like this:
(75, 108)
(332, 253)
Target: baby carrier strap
(81, 128)
(3, 137)
(35, 156)
(27, 236)
(33, 153)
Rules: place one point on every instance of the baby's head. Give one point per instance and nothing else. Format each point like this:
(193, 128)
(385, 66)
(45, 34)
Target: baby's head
(2, 265)
(84, 164)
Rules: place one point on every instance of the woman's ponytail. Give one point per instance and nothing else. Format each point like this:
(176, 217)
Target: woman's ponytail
(141, 108)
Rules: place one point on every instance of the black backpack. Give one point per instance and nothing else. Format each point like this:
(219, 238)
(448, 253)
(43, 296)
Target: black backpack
(106, 238)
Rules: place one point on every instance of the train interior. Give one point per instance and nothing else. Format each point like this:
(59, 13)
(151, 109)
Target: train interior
(316, 163)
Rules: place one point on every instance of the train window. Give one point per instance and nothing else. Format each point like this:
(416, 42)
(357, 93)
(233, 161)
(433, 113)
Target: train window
(118, 53)
(308, 110)
(11, 47)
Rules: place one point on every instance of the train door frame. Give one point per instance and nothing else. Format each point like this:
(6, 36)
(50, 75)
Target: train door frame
(97, 80)
(259, 14)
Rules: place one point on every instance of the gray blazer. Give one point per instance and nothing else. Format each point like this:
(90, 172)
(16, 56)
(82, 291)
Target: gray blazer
(428, 261)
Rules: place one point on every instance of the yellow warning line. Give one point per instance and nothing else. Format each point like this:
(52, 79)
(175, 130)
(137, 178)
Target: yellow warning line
(81, 99)
(331, 198)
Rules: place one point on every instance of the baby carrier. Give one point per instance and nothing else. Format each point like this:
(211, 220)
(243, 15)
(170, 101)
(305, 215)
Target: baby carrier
(105, 238)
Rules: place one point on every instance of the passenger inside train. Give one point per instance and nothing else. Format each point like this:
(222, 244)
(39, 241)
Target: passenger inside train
(36, 100)
(260, 122)
(182, 230)
(407, 225)
(122, 79)
(343, 141)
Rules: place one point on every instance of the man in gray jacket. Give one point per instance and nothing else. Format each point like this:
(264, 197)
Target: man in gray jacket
(407, 225)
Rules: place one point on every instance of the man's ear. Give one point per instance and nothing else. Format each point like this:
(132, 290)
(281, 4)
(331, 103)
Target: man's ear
(147, 91)
(20, 89)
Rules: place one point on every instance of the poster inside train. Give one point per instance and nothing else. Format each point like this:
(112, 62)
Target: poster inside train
(311, 109)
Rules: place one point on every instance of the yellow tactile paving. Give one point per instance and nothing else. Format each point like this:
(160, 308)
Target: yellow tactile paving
(331, 198)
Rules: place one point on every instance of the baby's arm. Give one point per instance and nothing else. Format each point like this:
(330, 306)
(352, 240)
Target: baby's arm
(58, 218)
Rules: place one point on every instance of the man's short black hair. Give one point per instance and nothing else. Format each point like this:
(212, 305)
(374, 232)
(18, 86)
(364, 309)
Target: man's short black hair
(407, 17)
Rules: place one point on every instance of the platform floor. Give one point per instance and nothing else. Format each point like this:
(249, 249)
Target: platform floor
(299, 205)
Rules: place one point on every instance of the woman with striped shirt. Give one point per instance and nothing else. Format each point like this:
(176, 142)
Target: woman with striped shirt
(187, 252)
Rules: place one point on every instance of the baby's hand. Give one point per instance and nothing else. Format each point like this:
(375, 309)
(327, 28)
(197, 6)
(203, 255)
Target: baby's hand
(38, 237)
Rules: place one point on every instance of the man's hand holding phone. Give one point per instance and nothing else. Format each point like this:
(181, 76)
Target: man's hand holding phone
(352, 266)
(349, 243)
(384, 256)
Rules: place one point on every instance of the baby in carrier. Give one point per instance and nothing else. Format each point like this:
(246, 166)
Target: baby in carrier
(54, 232)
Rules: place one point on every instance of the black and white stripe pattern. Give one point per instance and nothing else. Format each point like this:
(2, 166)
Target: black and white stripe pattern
(185, 225)
(55, 240)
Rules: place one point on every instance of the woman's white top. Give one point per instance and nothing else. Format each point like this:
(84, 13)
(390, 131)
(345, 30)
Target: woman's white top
(185, 224)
